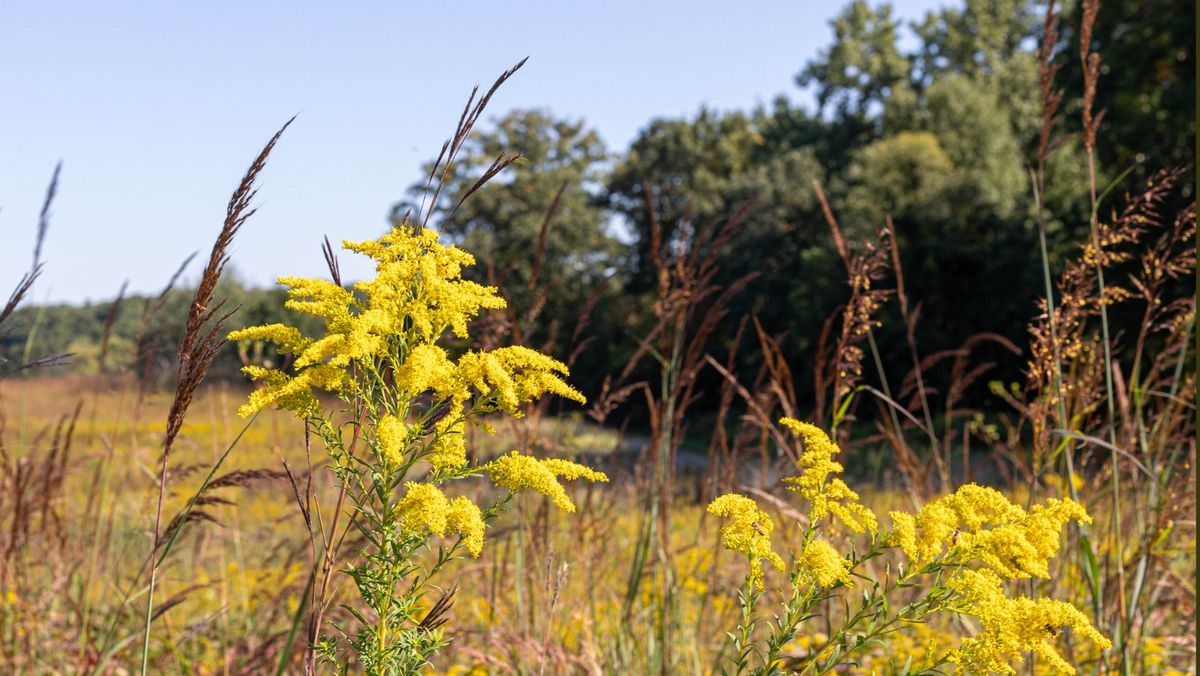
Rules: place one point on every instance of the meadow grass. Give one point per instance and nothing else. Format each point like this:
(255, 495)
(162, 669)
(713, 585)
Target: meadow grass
(238, 579)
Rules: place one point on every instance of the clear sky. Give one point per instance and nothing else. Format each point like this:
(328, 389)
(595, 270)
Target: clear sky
(156, 109)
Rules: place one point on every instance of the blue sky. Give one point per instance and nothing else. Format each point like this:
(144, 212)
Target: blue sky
(156, 109)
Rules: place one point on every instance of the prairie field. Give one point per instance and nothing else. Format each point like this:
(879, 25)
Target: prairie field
(547, 594)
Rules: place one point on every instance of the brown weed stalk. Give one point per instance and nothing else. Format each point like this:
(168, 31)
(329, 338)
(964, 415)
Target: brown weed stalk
(201, 343)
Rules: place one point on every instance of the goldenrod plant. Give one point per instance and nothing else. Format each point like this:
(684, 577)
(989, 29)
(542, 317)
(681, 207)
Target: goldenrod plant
(397, 436)
(960, 554)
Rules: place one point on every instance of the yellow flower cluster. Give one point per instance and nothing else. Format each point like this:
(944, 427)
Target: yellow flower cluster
(515, 375)
(391, 433)
(465, 517)
(449, 447)
(293, 394)
(428, 367)
(979, 523)
(419, 281)
(747, 532)
(827, 494)
(425, 506)
(380, 355)
(821, 563)
(418, 294)
(1014, 626)
(516, 472)
(288, 338)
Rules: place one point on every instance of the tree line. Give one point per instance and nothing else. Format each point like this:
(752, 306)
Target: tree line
(939, 139)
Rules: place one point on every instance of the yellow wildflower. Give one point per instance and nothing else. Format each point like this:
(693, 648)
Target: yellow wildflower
(572, 470)
(534, 374)
(904, 535)
(416, 295)
(392, 435)
(288, 338)
(821, 563)
(515, 376)
(449, 447)
(1012, 627)
(423, 506)
(747, 532)
(516, 471)
(977, 506)
(320, 298)
(420, 279)
(364, 337)
(924, 535)
(464, 517)
(426, 367)
(380, 352)
(827, 494)
(979, 523)
(1023, 548)
(485, 372)
(291, 393)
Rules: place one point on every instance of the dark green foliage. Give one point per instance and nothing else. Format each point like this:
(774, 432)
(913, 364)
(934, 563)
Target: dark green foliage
(1147, 83)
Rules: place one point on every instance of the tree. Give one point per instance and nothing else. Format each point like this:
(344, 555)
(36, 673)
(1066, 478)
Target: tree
(972, 126)
(908, 176)
(863, 65)
(695, 172)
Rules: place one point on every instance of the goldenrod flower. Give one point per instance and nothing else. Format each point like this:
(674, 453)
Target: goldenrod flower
(449, 447)
(748, 532)
(424, 506)
(821, 563)
(420, 280)
(365, 337)
(380, 353)
(288, 338)
(535, 374)
(392, 435)
(485, 372)
(976, 523)
(291, 393)
(320, 298)
(465, 517)
(516, 471)
(514, 376)
(1012, 627)
(924, 536)
(426, 367)
(572, 470)
(827, 494)
(418, 293)
(1023, 547)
